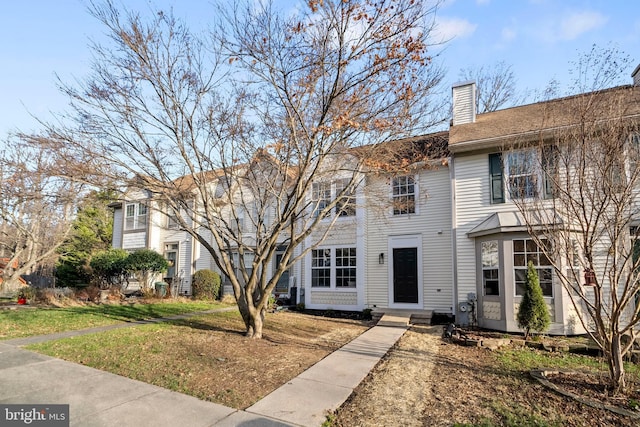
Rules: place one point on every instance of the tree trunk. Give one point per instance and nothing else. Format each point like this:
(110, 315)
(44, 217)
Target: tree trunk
(616, 366)
(252, 317)
(256, 324)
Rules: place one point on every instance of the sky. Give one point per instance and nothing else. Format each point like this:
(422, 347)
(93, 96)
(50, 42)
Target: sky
(42, 40)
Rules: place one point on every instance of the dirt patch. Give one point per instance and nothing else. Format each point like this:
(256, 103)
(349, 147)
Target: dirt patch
(425, 381)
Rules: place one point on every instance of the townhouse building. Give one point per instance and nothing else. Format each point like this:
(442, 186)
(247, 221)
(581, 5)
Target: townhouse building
(439, 229)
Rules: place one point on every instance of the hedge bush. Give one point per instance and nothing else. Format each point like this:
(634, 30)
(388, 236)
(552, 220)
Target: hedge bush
(205, 284)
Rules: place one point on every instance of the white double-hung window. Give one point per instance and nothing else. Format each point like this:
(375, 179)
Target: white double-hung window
(403, 195)
(524, 174)
(525, 250)
(320, 196)
(333, 268)
(340, 190)
(490, 265)
(135, 216)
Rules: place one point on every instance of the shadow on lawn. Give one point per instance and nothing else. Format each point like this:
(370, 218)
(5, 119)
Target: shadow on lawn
(127, 313)
(204, 326)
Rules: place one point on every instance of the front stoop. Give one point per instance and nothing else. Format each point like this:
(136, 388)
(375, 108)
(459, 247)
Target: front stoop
(394, 320)
(402, 318)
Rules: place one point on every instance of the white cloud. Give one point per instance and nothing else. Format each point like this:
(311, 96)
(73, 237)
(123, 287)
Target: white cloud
(579, 23)
(508, 34)
(450, 28)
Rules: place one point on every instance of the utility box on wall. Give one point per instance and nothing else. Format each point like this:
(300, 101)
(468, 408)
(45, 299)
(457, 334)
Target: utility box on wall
(463, 314)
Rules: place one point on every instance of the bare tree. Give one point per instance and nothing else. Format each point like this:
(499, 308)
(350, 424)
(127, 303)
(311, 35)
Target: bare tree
(495, 86)
(37, 206)
(232, 133)
(587, 226)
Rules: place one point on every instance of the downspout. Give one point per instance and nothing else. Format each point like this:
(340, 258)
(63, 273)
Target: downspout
(454, 247)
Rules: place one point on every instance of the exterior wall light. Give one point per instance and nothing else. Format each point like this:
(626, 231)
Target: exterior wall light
(589, 277)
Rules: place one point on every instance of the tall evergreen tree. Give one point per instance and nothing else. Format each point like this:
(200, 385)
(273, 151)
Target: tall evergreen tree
(533, 313)
(91, 234)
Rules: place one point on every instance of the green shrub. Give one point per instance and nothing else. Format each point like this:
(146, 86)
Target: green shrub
(533, 313)
(109, 267)
(205, 284)
(146, 263)
(271, 304)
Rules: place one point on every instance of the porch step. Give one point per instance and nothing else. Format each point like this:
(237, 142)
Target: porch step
(421, 318)
(402, 317)
(394, 320)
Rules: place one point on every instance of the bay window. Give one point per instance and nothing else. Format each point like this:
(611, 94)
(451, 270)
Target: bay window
(490, 278)
(525, 250)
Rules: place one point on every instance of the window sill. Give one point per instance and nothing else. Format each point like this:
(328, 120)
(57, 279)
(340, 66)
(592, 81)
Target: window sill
(407, 215)
(134, 230)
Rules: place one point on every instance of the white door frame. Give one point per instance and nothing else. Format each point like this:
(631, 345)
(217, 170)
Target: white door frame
(409, 241)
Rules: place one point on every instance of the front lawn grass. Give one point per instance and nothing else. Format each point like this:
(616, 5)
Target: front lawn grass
(41, 321)
(525, 359)
(208, 356)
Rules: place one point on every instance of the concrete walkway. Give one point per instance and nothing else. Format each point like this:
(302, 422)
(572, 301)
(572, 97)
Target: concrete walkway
(99, 398)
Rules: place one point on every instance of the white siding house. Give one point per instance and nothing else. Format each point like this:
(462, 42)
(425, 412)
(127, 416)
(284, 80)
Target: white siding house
(436, 230)
(397, 243)
(409, 253)
(140, 224)
(503, 161)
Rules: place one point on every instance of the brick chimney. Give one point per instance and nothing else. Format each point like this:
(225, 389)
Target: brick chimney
(464, 103)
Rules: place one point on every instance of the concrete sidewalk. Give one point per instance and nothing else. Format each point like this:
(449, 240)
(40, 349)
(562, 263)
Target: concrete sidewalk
(98, 398)
(308, 398)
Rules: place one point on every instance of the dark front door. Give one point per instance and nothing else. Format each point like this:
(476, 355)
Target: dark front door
(283, 282)
(405, 275)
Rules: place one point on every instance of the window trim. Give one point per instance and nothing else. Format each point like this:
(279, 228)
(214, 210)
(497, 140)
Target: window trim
(320, 254)
(415, 194)
(348, 272)
(333, 267)
(345, 207)
(133, 216)
(537, 265)
(320, 197)
(545, 168)
(495, 267)
(324, 193)
(521, 165)
(496, 184)
(171, 217)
